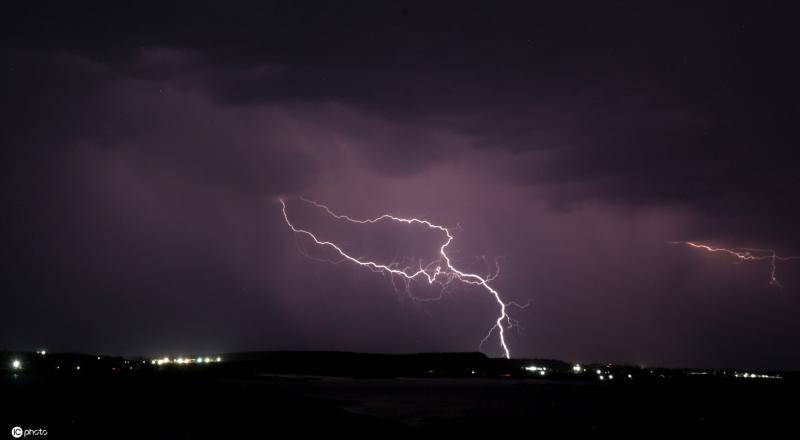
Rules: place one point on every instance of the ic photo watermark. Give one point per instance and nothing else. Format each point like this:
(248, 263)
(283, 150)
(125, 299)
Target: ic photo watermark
(18, 432)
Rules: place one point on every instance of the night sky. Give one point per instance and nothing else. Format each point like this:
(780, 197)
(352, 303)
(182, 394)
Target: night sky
(144, 150)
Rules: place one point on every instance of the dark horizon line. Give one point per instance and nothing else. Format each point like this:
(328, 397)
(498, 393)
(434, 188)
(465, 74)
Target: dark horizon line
(227, 357)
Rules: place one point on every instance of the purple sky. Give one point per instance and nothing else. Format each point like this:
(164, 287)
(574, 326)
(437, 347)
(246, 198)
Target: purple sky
(145, 150)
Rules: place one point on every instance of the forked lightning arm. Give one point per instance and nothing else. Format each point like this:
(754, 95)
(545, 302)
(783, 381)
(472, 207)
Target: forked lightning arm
(444, 270)
(747, 254)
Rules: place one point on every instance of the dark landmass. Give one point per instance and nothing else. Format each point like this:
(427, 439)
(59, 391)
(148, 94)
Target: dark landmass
(433, 395)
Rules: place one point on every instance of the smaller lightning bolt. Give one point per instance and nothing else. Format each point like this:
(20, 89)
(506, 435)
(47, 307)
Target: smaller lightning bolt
(743, 255)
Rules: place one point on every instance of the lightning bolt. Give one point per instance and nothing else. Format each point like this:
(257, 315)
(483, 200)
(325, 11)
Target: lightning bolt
(441, 271)
(743, 255)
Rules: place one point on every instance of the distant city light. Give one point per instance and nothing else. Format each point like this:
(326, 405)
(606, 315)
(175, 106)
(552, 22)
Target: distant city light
(78, 367)
(577, 368)
(598, 371)
(16, 364)
(602, 377)
(541, 373)
(535, 368)
(185, 360)
(630, 377)
(757, 376)
(610, 376)
(42, 352)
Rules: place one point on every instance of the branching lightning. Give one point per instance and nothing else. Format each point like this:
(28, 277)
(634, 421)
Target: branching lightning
(743, 255)
(440, 271)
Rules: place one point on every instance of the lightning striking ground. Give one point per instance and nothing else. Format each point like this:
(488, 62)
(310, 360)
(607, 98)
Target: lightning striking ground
(441, 271)
(743, 255)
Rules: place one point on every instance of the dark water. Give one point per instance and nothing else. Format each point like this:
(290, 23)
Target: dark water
(195, 406)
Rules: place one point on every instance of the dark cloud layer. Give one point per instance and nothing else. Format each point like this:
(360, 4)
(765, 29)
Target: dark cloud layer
(145, 148)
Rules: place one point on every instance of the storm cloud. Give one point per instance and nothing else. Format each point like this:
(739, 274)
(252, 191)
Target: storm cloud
(145, 150)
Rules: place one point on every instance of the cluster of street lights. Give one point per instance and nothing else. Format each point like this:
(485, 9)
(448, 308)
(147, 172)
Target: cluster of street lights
(533, 368)
(757, 376)
(186, 361)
